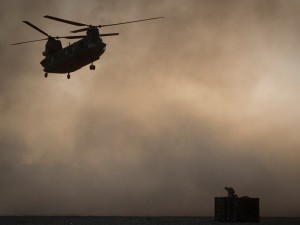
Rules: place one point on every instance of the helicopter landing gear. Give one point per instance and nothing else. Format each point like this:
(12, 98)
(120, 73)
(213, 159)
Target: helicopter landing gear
(92, 67)
(68, 76)
(46, 75)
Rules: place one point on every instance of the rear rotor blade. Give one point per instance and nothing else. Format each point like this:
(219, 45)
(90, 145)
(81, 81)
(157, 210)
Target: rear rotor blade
(109, 34)
(36, 28)
(80, 30)
(134, 21)
(114, 24)
(72, 37)
(29, 41)
(65, 21)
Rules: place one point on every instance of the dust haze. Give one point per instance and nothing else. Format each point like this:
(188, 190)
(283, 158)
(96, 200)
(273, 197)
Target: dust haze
(176, 109)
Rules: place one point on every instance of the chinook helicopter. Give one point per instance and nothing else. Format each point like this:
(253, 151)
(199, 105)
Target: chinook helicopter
(78, 54)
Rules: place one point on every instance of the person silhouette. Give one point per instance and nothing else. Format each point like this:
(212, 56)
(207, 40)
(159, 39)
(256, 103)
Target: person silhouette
(231, 192)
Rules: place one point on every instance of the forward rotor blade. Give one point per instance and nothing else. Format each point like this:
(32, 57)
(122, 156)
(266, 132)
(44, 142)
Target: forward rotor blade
(29, 41)
(65, 21)
(109, 34)
(66, 37)
(36, 28)
(134, 21)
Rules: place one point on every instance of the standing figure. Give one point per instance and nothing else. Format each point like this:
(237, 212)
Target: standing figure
(231, 192)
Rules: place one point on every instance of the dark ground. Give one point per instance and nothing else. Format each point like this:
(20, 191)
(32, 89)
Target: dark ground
(91, 220)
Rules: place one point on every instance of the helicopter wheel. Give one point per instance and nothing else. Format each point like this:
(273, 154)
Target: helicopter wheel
(68, 76)
(46, 75)
(92, 67)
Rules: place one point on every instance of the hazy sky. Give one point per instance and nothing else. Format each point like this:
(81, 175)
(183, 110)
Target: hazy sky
(176, 109)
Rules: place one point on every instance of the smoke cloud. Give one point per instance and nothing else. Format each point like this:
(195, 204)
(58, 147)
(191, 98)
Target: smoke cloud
(176, 109)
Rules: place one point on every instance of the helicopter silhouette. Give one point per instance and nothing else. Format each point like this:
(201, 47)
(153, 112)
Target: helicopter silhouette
(78, 54)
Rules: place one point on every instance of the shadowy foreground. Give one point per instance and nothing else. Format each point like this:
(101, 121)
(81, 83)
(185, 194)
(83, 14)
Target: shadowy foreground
(91, 220)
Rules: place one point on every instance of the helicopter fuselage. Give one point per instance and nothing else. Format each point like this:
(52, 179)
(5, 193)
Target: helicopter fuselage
(75, 56)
